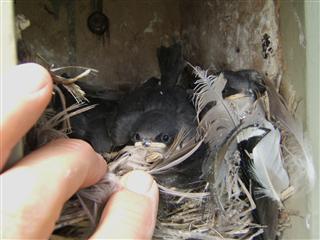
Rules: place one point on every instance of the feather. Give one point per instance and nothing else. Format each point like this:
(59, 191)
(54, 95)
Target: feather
(219, 119)
(177, 158)
(98, 195)
(268, 167)
(174, 192)
(267, 164)
(226, 121)
(48, 127)
(301, 160)
(66, 114)
(100, 192)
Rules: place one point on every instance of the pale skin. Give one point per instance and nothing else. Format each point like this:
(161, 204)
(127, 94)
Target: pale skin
(34, 190)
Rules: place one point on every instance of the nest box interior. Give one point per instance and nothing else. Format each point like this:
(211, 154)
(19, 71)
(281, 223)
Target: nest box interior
(215, 34)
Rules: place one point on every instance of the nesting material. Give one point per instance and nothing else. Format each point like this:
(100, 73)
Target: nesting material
(54, 124)
(256, 160)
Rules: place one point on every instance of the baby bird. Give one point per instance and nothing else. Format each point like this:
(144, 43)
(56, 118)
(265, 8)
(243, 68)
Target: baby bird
(157, 110)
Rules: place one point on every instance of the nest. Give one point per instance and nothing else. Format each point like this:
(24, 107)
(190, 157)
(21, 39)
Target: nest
(222, 204)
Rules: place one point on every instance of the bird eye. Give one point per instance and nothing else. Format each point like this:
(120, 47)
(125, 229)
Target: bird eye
(137, 137)
(165, 138)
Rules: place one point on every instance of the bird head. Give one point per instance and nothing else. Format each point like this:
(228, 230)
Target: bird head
(155, 126)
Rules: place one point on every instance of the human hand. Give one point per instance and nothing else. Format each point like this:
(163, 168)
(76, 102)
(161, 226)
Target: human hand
(35, 189)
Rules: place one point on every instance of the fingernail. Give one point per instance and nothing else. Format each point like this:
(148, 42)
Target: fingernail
(138, 182)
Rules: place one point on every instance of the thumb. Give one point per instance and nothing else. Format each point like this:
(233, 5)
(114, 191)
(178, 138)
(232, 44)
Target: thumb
(25, 94)
(131, 212)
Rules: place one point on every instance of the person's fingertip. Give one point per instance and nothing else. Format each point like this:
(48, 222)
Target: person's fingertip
(138, 181)
(30, 77)
(102, 168)
(52, 173)
(131, 212)
(28, 89)
(100, 165)
(34, 77)
(83, 154)
(102, 161)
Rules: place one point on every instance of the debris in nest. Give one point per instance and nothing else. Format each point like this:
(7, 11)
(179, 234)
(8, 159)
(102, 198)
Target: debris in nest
(53, 124)
(68, 76)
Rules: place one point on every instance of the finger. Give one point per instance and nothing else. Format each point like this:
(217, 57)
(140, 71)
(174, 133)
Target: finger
(35, 189)
(26, 92)
(131, 212)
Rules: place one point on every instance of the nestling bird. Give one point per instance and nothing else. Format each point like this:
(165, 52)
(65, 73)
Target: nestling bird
(157, 110)
(153, 112)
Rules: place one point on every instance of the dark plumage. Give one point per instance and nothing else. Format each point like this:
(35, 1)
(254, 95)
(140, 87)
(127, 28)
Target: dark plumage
(243, 81)
(157, 110)
(152, 114)
(92, 125)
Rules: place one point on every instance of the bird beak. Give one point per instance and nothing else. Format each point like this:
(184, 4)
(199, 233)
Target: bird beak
(152, 146)
(146, 142)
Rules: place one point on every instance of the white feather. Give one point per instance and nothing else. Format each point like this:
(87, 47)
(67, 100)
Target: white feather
(268, 166)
